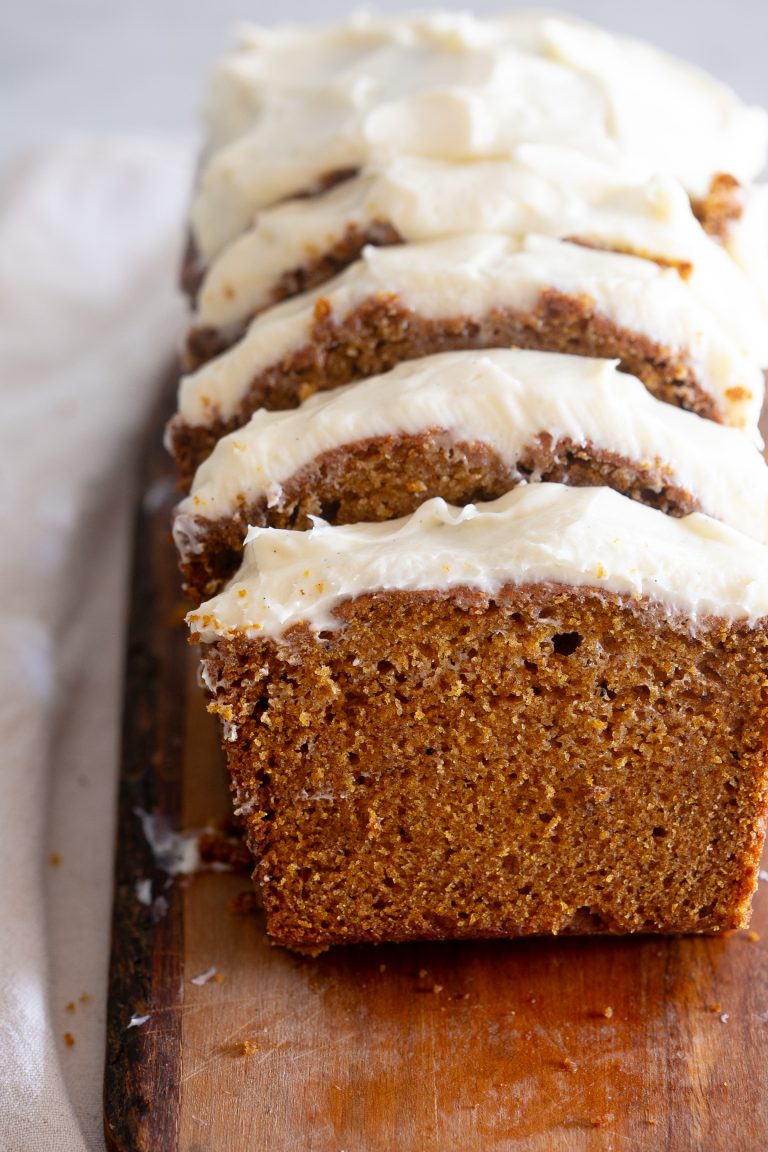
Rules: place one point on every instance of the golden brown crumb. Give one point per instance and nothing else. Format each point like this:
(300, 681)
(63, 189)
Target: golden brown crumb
(722, 205)
(437, 989)
(753, 937)
(70, 1007)
(218, 978)
(714, 1007)
(374, 825)
(85, 997)
(569, 1065)
(244, 904)
(248, 1048)
(69, 1040)
(225, 846)
(54, 859)
(608, 1012)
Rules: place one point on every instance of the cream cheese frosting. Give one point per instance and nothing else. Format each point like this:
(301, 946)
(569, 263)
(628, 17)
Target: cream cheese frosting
(470, 275)
(747, 239)
(503, 398)
(536, 533)
(541, 189)
(290, 105)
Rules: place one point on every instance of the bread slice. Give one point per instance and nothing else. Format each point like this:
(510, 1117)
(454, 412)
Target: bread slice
(544, 715)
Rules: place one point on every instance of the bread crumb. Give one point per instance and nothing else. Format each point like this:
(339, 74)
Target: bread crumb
(715, 1007)
(70, 1007)
(248, 1047)
(244, 904)
(608, 1012)
(753, 937)
(54, 860)
(69, 1040)
(724, 1017)
(437, 989)
(218, 978)
(569, 1065)
(85, 997)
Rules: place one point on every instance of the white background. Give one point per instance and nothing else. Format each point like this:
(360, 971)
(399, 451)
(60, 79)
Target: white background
(141, 64)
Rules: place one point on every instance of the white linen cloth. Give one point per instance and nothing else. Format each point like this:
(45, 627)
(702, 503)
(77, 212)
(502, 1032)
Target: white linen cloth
(90, 236)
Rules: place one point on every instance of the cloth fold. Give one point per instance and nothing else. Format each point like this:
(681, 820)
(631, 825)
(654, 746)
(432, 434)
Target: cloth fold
(90, 237)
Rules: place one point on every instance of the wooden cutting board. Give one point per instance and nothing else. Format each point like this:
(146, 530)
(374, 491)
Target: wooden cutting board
(544, 1045)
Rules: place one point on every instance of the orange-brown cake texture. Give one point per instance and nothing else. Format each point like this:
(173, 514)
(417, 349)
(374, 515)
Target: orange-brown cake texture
(547, 714)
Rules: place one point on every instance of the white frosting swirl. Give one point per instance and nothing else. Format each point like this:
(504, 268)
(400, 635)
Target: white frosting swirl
(536, 533)
(501, 398)
(290, 105)
(747, 240)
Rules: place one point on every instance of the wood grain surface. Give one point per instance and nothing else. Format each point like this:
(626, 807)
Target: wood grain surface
(542, 1045)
